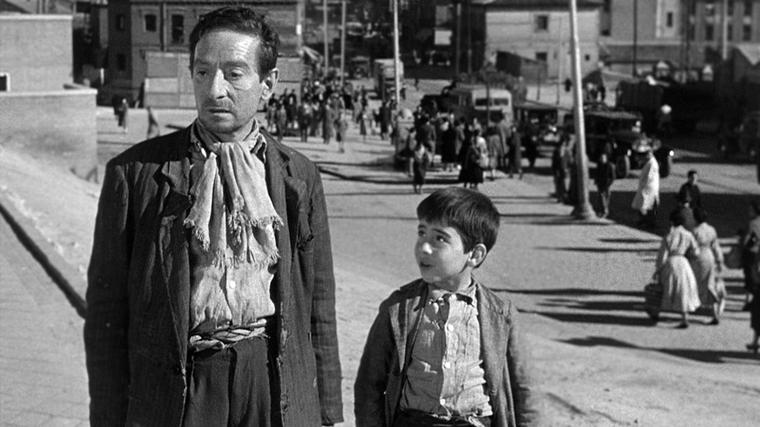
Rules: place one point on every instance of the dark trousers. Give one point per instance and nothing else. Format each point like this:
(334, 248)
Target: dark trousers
(422, 419)
(229, 387)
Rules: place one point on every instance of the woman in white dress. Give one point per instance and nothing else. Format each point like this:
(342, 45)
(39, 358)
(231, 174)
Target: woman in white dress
(674, 273)
(707, 265)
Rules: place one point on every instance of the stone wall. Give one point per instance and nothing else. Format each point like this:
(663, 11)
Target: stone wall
(57, 124)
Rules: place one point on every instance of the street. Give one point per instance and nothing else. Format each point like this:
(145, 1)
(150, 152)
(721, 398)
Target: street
(579, 285)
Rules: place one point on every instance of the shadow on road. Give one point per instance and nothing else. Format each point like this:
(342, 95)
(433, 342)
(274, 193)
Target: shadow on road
(726, 212)
(599, 249)
(707, 356)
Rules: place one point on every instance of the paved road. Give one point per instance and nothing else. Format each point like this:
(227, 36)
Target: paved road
(44, 382)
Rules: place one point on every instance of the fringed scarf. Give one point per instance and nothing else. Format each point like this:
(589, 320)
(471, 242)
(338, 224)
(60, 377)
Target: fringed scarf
(231, 207)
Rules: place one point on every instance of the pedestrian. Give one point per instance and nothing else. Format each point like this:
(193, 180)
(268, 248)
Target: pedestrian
(384, 118)
(211, 300)
(515, 153)
(362, 119)
(690, 190)
(561, 169)
(750, 242)
(647, 197)
(281, 118)
(707, 265)
(420, 164)
(530, 142)
(304, 115)
(426, 135)
(495, 150)
(407, 375)
(153, 127)
(673, 271)
(122, 113)
(603, 178)
(341, 127)
(475, 161)
(448, 145)
(328, 122)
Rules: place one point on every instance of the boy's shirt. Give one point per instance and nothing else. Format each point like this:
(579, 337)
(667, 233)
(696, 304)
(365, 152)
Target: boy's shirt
(445, 375)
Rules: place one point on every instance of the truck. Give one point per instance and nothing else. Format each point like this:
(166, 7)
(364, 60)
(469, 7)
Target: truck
(383, 73)
(473, 101)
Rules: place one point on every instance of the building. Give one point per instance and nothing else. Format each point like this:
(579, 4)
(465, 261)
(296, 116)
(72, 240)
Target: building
(464, 35)
(540, 30)
(41, 110)
(683, 33)
(136, 27)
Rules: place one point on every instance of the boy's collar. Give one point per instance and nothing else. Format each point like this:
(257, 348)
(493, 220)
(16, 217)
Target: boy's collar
(467, 295)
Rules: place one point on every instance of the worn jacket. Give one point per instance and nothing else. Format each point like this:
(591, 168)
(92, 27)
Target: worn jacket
(379, 382)
(137, 324)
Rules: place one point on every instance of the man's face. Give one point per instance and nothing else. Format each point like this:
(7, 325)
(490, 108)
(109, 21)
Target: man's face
(693, 178)
(227, 84)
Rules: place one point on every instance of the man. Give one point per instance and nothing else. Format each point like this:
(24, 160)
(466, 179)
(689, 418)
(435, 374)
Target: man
(561, 168)
(211, 295)
(647, 197)
(689, 191)
(604, 177)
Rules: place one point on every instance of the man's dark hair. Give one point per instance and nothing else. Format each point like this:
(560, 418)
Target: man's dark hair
(471, 213)
(691, 173)
(243, 20)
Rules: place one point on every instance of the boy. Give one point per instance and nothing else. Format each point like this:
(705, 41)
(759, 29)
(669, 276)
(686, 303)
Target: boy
(444, 350)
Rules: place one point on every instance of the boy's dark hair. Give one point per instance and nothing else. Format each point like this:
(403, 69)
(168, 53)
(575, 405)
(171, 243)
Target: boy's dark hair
(243, 20)
(691, 173)
(471, 213)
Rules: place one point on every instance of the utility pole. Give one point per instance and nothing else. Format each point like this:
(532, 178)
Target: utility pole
(635, 33)
(469, 37)
(396, 57)
(457, 49)
(582, 208)
(342, 41)
(560, 59)
(324, 26)
(724, 30)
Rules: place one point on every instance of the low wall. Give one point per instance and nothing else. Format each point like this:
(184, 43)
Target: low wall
(56, 124)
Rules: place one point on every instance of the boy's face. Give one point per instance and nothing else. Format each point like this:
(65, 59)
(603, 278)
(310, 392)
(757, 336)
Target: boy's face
(441, 257)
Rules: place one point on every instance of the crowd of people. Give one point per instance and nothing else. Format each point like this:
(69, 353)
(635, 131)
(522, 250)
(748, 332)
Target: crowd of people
(474, 149)
(325, 110)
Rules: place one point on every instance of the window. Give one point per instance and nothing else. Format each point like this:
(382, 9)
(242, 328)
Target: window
(730, 8)
(150, 23)
(178, 29)
(541, 23)
(121, 22)
(709, 32)
(690, 31)
(121, 62)
(730, 31)
(542, 56)
(747, 32)
(5, 82)
(710, 8)
(669, 19)
(747, 7)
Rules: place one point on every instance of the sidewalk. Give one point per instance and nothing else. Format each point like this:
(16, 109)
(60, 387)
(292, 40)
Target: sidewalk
(582, 385)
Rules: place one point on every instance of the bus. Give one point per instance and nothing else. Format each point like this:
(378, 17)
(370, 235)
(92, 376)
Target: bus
(469, 102)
